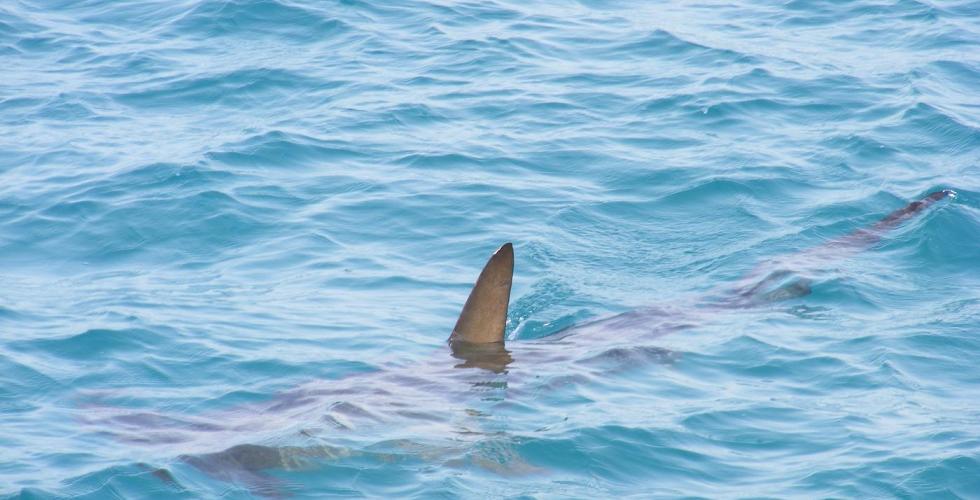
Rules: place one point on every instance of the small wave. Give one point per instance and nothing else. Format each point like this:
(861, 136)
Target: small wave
(271, 18)
(18, 383)
(663, 44)
(924, 125)
(277, 148)
(99, 344)
(97, 230)
(233, 88)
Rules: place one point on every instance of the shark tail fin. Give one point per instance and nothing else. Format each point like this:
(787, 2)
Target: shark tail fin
(863, 238)
(485, 314)
(780, 284)
(912, 209)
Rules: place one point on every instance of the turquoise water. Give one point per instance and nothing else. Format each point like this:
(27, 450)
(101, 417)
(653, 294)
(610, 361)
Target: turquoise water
(235, 235)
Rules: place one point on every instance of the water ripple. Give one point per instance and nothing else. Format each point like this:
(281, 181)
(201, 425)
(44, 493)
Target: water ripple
(235, 235)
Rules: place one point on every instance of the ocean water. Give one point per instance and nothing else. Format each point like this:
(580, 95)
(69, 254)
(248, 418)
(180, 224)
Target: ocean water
(235, 234)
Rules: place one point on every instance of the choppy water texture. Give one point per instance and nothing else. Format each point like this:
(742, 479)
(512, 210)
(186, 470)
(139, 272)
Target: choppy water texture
(207, 204)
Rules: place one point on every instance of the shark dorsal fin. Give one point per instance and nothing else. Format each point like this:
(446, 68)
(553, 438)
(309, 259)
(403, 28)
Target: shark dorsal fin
(485, 313)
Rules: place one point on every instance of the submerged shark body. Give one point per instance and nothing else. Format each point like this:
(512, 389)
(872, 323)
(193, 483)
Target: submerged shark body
(429, 394)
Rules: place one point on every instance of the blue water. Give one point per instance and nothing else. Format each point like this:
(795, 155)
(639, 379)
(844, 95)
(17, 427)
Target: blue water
(207, 204)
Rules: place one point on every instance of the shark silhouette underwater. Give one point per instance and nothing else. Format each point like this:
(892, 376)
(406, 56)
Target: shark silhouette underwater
(477, 341)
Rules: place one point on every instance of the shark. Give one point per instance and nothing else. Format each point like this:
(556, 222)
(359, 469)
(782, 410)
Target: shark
(479, 358)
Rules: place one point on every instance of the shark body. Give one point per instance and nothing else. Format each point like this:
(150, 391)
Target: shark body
(477, 341)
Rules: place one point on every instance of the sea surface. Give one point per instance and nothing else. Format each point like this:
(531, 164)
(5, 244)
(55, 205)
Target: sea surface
(235, 235)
